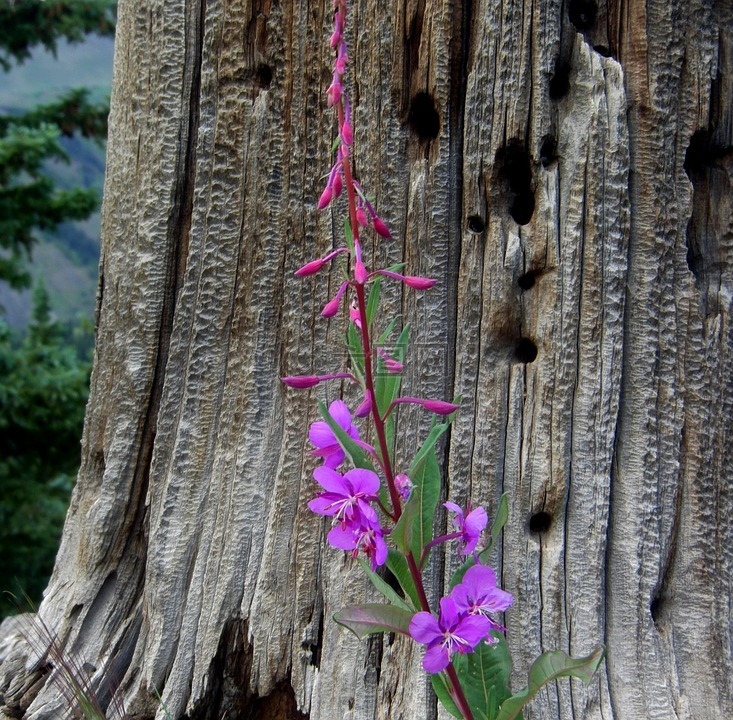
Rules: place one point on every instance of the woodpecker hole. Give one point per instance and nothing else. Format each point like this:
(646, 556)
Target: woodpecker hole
(423, 118)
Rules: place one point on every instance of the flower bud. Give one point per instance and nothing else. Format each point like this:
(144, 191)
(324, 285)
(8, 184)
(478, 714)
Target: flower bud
(310, 268)
(355, 316)
(380, 228)
(404, 486)
(347, 133)
(366, 406)
(418, 283)
(361, 216)
(301, 382)
(333, 94)
(335, 39)
(360, 273)
(331, 307)
(326, 196)
(337, 184)
(440, 407)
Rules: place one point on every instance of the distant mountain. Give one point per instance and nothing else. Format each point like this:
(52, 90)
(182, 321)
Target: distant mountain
(68, 258)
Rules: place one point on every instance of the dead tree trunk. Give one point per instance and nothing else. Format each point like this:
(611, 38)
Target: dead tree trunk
(564, 169)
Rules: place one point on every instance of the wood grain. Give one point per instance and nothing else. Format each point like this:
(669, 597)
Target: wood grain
(575, 206)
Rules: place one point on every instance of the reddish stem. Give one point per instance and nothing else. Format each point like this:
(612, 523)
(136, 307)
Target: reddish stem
(379, 423)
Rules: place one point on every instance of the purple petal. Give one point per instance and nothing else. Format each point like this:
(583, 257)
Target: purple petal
(320, 434)
(461, 597)
(449, 614)
(323, 505)
(476, 521)
(363, 481)
(453, 508)
(497, 600)
(331, 481)
(334, 457)
(380, 556)
(436, 659)
(342, 538)
(368, 514)
(473, 628)
(424, 628)
(340, 413)
(478, 580)
(469, 546)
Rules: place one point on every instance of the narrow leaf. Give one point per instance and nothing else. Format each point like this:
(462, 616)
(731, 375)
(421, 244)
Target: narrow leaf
(548, 667)
(384, 587)
(349, 235)
(364, 620)
(433, 436)
(414, 529)
(440, 688)
(373, 301)
(356, 351)
(397, 565)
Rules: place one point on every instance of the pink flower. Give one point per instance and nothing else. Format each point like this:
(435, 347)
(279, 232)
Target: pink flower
(452, 632)
(325, 441)
(478, 595)
(470, 526)
(346, 497)
(363, 534)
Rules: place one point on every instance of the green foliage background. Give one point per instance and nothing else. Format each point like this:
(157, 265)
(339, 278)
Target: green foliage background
(44, 373)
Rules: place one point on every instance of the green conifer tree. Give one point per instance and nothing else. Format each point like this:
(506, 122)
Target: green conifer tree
(29, 200)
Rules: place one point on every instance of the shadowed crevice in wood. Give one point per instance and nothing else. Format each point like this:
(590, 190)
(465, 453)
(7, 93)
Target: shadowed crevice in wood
(514, 172)
(230, 694)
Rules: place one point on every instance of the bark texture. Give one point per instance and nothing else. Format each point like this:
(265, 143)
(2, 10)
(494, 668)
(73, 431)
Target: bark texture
(564, 169)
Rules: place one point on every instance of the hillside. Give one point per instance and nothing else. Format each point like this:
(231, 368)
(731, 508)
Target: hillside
(68, 258)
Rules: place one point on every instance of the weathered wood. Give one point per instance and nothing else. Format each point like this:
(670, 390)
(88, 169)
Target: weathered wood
(564, 171)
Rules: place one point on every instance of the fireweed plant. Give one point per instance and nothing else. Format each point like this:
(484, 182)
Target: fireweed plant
(383, 515)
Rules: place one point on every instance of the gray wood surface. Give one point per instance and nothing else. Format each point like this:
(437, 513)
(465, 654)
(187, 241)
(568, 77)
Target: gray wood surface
(576, 199)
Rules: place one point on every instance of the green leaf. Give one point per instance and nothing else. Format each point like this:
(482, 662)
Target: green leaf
(440, 687)
(356, 351)
(433, 436)
(397, 564)
(414, 529)
(484, 676)
(373, 301)
(500, 520)
(355, 454)
(364, 620)
(384, 587)
(387, 331)
(548, 667)
(349, 235)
